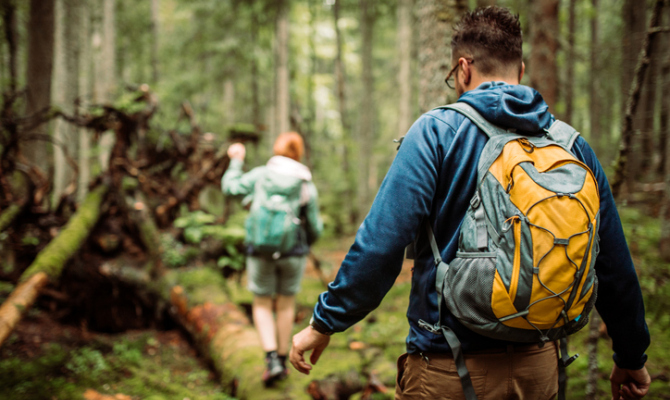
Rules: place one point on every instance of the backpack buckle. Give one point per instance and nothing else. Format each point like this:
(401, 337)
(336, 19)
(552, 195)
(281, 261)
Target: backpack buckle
(474, 202)
(565, 362)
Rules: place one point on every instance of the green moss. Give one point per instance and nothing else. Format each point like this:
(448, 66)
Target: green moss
(242, 128)
(201, 284)
(8, 216)
(52, 259)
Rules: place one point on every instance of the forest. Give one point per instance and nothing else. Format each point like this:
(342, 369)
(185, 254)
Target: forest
(121, 261)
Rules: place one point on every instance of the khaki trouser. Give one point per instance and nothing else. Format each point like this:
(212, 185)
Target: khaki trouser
(528, 372)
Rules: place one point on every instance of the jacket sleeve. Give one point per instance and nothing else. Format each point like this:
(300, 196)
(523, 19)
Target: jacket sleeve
(375, 259)
(314, 226)
(235, 183)
(619, 301)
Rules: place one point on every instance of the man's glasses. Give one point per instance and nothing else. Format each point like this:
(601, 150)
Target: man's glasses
(449, 80)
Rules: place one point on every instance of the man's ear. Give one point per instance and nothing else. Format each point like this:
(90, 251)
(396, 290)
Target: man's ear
(465, 69)
(523, 69)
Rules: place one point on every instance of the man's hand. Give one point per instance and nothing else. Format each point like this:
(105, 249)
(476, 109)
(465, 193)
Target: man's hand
(237, 151)
(306, 340)
(629, 384)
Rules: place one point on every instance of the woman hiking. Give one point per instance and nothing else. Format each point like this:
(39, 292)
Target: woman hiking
(283, 222)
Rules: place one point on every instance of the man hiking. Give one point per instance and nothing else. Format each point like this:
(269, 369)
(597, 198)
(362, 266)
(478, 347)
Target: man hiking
(433, 182)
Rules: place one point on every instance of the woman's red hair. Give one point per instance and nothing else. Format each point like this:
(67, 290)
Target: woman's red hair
(289, 144)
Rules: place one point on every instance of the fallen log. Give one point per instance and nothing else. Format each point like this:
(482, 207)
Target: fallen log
(50, 262)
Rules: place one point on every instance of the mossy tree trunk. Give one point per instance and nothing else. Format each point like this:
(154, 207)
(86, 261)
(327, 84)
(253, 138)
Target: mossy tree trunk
(49, 263)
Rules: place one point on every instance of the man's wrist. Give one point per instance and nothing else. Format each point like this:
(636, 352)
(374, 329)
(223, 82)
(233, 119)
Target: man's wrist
(319, 328)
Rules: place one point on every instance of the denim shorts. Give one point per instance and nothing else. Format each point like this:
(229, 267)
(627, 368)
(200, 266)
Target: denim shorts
(267, 277)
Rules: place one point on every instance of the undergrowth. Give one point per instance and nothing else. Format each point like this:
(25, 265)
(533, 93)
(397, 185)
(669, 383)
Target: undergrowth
(136, 365)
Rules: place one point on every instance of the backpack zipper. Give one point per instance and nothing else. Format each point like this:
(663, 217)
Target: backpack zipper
(516, 265)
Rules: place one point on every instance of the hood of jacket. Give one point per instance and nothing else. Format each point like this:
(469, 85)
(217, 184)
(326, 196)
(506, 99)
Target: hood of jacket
(285, 175)
(510, 106)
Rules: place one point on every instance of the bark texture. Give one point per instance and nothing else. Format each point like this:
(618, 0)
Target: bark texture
(366, 180)
(85, 85)
(350, 209)
(634, 17)
(594, 95)
(283, 101)
(632, 103)
(664, 243)
(544, 41)
(570, 67)
(405, 39)
(38, 76)
(66, 92)
(436, 20)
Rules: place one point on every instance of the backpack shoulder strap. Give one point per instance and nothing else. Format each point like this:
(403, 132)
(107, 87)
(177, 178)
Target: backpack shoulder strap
(476, 118)
(563, 134)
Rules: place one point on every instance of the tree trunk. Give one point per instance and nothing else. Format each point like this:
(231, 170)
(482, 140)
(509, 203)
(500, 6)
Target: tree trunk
(12, 38)
(436, 20)
(108, 49)
(592, 347)
(85, 84)
(664, 243)
(155, 7)
(647, 110)
(367, 124)
(634, 17)
(404, 38)
(66, 91)
(544, 40)
(625, 152)
(283, 100)
(349, 206)
(256, 115)
(570, 64)
(38, 76)
(228, 101)
(310, 131)
(596, 135)
(106, 74)
(50, 262)
(484, 3)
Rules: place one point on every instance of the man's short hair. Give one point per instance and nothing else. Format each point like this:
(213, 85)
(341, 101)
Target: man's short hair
(492, 37)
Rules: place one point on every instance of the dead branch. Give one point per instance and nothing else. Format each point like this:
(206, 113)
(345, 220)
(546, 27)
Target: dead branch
(633, 98)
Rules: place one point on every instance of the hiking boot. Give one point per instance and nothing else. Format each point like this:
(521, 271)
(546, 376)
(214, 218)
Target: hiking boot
(284, 373)
(274, 369)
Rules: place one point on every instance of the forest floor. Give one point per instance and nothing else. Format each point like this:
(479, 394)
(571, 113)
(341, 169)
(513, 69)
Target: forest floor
(47, 360)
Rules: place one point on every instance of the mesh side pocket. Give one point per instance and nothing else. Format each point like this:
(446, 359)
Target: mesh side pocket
(467, 288)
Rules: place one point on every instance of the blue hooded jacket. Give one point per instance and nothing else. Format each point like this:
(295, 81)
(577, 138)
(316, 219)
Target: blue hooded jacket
(433, 177)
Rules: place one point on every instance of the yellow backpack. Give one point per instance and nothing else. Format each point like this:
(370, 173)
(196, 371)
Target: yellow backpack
(528, 243)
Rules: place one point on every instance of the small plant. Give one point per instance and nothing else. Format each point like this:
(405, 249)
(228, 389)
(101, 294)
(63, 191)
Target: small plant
(126, 354)
(30, 240)
(173, 251)
(88, 362)
(234, 259)
(193, 224)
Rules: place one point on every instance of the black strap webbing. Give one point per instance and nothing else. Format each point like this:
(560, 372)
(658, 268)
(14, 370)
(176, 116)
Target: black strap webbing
(564, 360)
(459, 360)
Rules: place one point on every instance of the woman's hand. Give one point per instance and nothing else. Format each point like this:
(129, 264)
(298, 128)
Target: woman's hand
(237, 151)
